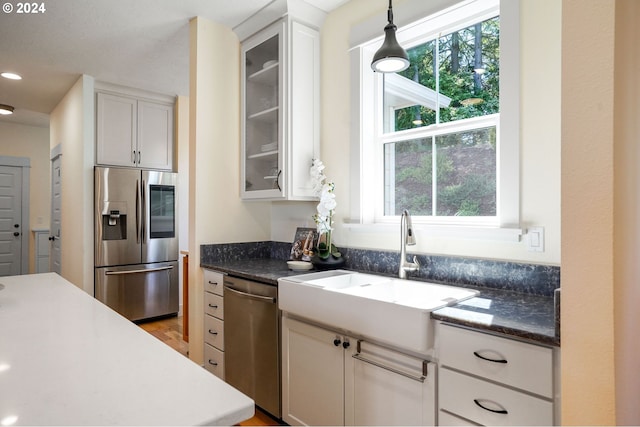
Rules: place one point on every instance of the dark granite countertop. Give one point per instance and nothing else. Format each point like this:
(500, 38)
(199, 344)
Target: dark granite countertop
(264, 270)
(519, 315)
(525, 316)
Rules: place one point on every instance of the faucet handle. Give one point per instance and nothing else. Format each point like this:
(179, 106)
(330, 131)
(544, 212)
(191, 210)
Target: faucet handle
(415, 261)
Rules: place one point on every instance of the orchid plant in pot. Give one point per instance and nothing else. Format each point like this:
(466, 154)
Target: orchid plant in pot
(326, 254)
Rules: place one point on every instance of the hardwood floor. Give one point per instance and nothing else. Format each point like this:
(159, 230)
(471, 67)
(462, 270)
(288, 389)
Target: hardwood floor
(169, 331)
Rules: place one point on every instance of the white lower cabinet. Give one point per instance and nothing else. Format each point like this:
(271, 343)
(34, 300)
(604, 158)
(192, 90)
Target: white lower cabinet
(313, 362)
(214, 322)
(390, 388)
(490, 380)
(333, 379)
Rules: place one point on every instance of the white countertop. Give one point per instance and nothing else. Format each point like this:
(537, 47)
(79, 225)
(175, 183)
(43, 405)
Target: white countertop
(67, 359)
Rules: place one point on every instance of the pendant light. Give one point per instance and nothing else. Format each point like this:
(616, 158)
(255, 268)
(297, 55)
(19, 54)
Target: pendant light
(391, 57)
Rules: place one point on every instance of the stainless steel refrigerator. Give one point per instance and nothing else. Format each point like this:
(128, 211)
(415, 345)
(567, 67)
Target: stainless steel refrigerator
(136, 242)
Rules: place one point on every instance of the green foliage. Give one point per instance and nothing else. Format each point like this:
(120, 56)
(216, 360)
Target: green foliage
(458, 54)
(465, 176)
(474, 196)
(466, 180)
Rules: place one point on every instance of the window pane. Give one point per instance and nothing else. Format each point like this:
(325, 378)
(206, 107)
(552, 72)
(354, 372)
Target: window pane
(410, 96)
(466, 180)
(408, 177)
(465, 85)
(469, 71)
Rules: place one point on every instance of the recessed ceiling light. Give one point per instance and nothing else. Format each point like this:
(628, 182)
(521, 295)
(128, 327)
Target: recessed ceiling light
(6, 109)
(12, 76)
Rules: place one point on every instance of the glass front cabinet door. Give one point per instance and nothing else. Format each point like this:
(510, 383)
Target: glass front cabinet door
(278, 141)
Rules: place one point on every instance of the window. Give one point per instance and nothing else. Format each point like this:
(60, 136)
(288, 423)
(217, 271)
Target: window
(438, 139)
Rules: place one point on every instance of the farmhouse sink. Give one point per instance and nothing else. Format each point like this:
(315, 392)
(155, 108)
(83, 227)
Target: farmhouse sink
(393, 311)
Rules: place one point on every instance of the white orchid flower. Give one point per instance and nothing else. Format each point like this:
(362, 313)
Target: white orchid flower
(326, 205)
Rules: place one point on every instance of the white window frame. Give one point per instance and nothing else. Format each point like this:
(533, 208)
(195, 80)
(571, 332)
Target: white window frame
(367, 179)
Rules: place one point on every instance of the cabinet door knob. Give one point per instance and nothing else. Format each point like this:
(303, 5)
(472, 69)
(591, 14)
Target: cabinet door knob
(52, 238)
(336, 342)
(346, 344)
(16, 233)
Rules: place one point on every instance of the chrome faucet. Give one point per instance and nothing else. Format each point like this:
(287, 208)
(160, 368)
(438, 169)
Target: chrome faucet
(407, 237)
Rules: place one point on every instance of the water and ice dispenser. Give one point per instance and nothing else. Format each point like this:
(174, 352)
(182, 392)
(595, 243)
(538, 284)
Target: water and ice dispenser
(114, 221)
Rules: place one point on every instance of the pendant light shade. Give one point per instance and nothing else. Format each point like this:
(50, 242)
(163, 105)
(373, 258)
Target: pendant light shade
(391, 57)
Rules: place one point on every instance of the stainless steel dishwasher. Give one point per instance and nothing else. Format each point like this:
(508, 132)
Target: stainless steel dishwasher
(252, 341)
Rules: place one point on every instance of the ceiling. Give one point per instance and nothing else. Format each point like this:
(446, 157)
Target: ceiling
(142, 44)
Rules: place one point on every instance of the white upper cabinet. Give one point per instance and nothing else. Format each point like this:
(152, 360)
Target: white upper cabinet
(280, 110)
(155, 135)
(134, 131)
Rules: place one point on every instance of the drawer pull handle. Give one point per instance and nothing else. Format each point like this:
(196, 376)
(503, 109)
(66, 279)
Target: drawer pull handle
(496, 411)
(213, 306)
(211, 362)
(213, 283)
(476, 354)
(212, 332)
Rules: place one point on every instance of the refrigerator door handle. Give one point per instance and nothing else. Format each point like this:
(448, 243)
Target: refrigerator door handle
(142, 270)
(143, 209)
(138, 233)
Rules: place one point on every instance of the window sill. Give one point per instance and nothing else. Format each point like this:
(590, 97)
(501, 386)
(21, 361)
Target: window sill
(471, 232)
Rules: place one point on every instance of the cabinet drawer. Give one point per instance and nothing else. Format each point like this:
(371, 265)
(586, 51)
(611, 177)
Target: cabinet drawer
(213, 281)
(463, 395)
(214, 361)
(525, 366)
(447, 419)
(214, 305)
(214, 332)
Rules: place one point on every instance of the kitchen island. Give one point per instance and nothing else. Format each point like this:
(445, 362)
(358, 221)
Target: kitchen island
(67, 359)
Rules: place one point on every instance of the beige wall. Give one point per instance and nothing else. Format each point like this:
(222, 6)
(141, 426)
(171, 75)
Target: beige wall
(588, 386)
(217, 215)
(627, 212)
(32, 142)
(72, 126)
(182, 162)
(600, 214)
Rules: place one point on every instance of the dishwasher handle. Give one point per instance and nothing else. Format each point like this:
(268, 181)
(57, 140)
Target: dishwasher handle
(261, 298)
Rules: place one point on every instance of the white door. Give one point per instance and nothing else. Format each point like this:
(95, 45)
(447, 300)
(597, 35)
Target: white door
(56, 214)
(116, 118)
(10, 220)
(155, 135)
(313, 375)
(391, 388)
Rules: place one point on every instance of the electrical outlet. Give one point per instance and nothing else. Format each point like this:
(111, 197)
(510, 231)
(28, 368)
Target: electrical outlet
(535, 239)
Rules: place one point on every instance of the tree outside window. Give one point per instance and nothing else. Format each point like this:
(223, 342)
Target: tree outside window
(447, 103)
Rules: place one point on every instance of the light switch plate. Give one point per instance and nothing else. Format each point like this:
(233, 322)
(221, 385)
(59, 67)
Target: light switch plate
(535, 239)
